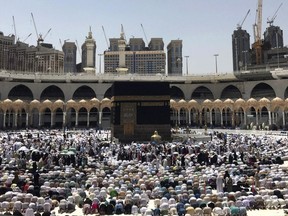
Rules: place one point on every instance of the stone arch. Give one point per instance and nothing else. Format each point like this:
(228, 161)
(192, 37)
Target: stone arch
(176, 93)
(52, 92)
(202, 92)
(21, 92)
(231, 91)
(262, 90)
(108, 93)
(83, 92)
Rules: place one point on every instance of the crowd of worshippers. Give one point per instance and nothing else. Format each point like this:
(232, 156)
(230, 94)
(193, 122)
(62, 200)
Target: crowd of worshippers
(44, 170)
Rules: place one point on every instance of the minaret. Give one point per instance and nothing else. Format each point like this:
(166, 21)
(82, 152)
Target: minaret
(122, 69)
(88, 54)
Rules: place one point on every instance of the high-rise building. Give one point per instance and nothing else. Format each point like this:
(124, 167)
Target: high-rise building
(89, 53)
(70, 54)
(5, 42)
(175, 59)
(138, 58)
(240, 49)
(273, 37)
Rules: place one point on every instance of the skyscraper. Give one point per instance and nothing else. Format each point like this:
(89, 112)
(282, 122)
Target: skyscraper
(175, 59)
(5, 42)
(89, 53)
(70, 52)
(273, 37)
(240, 49)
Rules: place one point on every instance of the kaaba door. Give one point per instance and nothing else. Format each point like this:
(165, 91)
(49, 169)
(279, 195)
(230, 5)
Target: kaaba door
(129, 129)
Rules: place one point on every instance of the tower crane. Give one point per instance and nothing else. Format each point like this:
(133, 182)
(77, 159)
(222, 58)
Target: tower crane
(239, 26)
(105, 37)
(270, 21)
(257, 27)
(144, 34)
(14, 26)
(40, 39)
(27, 37)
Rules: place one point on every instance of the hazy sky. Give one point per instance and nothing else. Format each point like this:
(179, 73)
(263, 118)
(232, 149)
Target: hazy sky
(205, 26)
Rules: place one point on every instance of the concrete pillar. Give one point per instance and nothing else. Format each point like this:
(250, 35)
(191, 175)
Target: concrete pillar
(189, 117)
(178, 112)
(273, 120)
(9, 118)
(233, 119)
(257, 120)
(245, 118)
(200, 118)
(283, 118)
(221, 118)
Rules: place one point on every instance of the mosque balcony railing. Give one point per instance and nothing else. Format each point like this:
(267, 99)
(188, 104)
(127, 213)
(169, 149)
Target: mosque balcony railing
(110, 77)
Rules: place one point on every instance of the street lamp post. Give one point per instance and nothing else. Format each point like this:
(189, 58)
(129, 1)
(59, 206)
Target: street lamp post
(100, 62)
(187, 57)
(216, 55)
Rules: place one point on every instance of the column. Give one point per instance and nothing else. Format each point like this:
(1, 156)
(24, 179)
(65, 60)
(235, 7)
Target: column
(88, 119)
(221, 118)
(269, 117)
(9, 118)
(283, 118)
(233, 118)
(245, 118)
(27, 119)
(40, 119)
(15, 119)
(52, 119)
(64, 119)
(4, 119)
(76, 121)
(210, 116)
(273, 120)
(100, 117)
(189, 117)
(200, 118)
(178, 112)
(257, 121)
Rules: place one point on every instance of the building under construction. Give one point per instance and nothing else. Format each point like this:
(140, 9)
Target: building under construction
(265, 54)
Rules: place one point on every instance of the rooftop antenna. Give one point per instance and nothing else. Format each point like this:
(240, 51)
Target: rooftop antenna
(144, 34)
(14, 28)
(270, 21)
(105, 37)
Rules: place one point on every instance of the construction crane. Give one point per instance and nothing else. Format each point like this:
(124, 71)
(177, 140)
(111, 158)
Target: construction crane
(105, 37)
(270, 21)
(27, 37)
(14, 26)
(239, 26)
(40, 39)
(144, 34)
(79, 50)
(257, 27)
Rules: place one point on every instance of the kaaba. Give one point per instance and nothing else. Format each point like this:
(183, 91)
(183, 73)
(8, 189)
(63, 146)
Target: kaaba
(139, 109)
